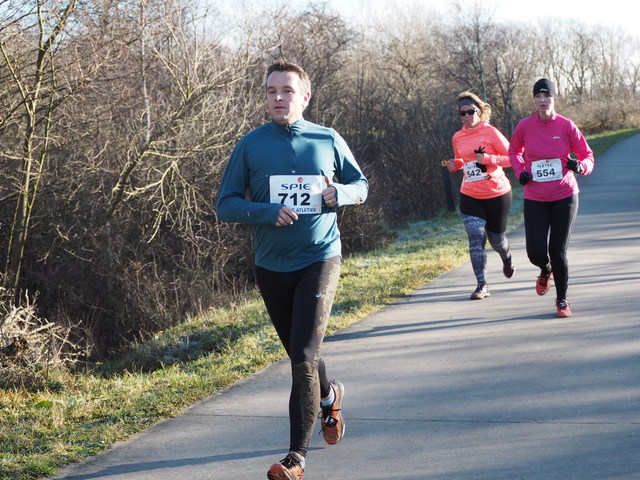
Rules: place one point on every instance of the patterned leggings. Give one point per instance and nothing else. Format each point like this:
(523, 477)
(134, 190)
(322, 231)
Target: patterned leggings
(486, 219)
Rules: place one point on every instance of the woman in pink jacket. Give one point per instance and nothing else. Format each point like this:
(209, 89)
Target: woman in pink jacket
(540, 151)
(480, 150)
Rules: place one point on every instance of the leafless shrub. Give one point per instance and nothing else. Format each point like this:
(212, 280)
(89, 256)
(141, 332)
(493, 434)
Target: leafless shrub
(30, 346)
(604, 114)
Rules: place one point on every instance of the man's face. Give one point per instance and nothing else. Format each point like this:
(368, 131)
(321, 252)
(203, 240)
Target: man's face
(285, 97)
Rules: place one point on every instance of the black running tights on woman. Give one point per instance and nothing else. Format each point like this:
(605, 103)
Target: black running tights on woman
(548, 228)
(299, 304)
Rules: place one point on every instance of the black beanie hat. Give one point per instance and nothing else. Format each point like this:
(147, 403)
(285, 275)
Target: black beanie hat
(544, 85)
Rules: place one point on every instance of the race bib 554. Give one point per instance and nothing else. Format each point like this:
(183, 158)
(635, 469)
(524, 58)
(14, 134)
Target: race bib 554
(546, 170)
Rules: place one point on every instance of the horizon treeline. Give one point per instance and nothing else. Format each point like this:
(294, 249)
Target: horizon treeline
(117, 119)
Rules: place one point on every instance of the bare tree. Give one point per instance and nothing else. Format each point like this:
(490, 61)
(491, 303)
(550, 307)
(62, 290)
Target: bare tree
(631, 67)
(410, 122)
(568, 58)
(40, 93)
(511, 60)
(315, 38)
(470, 40)
(172, 120)
(610, 51)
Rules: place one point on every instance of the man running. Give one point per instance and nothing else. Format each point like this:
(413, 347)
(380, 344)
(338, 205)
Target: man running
(295, 173)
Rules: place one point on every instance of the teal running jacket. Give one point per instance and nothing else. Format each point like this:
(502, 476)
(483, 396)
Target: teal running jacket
(277, 165)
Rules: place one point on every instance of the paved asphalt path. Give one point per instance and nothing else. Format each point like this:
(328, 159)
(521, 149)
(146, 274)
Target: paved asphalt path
(442, 388)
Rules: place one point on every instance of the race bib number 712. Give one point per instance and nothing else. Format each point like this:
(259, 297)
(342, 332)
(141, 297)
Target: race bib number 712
(301, 193)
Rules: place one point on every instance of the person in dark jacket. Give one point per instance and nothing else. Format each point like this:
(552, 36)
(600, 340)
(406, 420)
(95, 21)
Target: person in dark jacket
(296, 174)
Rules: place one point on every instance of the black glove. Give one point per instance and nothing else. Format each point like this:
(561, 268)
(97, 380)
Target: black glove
(483, 168)
(524, 178)
(575, 166)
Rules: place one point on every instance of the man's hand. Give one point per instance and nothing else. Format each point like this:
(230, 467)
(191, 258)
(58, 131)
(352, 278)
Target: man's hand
(286, 216)
(329, 194)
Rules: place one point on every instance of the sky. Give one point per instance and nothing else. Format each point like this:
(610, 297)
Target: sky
(610, 13)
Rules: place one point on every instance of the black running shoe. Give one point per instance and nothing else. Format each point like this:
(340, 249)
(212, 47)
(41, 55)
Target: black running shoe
(508, 269)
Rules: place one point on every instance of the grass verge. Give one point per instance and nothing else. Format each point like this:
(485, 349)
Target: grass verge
(40, 432)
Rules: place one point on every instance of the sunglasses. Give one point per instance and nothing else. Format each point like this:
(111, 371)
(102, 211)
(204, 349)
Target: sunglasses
(467, 112)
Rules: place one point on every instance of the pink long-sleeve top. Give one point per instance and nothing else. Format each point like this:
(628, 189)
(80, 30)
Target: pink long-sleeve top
(542, 148)
(477, 184)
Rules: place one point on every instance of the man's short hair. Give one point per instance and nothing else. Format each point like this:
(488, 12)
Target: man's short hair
(284, 66)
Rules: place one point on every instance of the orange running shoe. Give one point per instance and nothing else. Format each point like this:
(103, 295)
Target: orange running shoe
(562, 309)
(543, 283)
(332, 421)
(289, 468)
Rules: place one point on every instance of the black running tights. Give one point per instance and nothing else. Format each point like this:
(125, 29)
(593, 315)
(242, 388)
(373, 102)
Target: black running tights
(299, 304)
(548, 228)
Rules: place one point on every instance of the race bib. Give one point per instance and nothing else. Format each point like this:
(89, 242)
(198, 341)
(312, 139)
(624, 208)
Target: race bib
(301, 193)
(546, 170)
(472, 172)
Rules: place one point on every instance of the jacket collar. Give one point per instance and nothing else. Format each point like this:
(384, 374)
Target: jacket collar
(292, 129)
(554, 115)
(482, 124)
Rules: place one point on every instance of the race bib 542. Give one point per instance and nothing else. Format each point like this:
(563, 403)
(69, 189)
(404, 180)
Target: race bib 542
(472, 172)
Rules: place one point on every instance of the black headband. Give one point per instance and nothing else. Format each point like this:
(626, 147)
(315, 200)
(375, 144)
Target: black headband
(468, 101)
